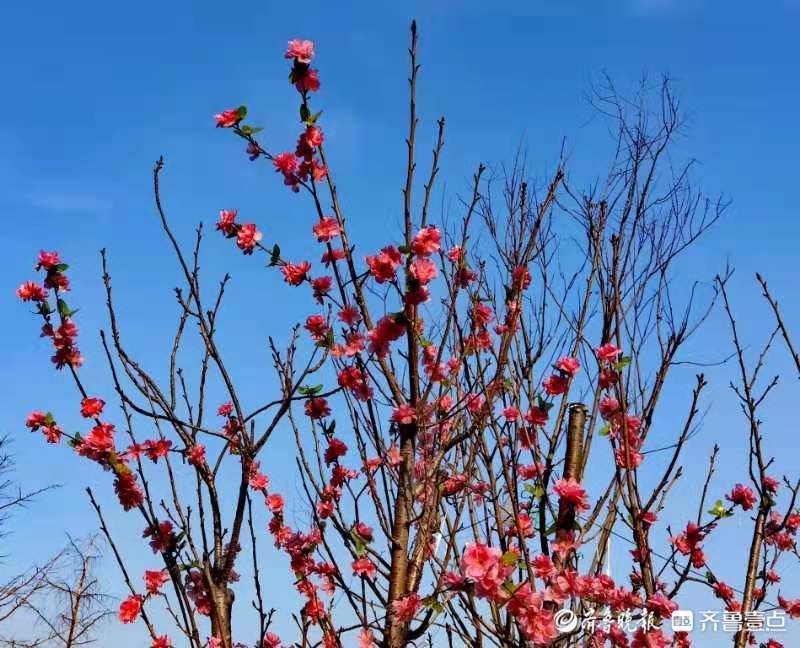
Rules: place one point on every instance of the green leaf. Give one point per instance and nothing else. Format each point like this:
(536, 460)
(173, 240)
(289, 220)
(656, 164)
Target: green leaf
(710, 578)
(275, 255)
(404, 249)
(305, 113)
(241, 111)
(535, 491)
(309, 391)
(63, 309)
(61, 267)
(509, 559)
(360, 546)
(605, 430)
(313, 119)
(623, 362)
(718, 510)
(431, 603)
(45, 308)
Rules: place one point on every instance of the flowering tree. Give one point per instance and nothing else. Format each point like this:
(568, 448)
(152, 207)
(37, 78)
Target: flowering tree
(452, 395)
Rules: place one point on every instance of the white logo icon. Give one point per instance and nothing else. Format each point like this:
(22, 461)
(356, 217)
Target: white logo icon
(682, 621)
(565, 620)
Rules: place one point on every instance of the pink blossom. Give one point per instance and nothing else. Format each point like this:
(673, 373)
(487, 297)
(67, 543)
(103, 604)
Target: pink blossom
(743, 496)
(153, 580)
(317, 408)
(569, 366)
(227, 221)
(295, 274)
(571, 493)
(406, 608)
(365, 567)
(403, 414)
(285, 163)
(31, 291)
(275, 503)
(196, 455)
(130, 608)
(366, 639)
(511, 414)
(384, 265)
(228, 118)
(607, 352)
(537, 416)
(301, 50)
(247, 238)
(326, 229)
(427, 241)
(555, 385)
(336, 448)
(92, 407)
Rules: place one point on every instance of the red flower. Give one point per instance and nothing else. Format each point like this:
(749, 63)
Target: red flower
(384, 266)
(275, 503)
(423, 270)
(162, 642)
(321, 287)
(285, 162)
(335, 449)
(300, 50)
(154, 579)
(403, 414)
(609, 407)
(555, 385)
(225, 409)
(92, 407)
(161, 536)
(569, 366)
(31, 291)
(228, 118)
(387, 330)
(129, 493)
(227, 222)
(270, 640)
(571, 493)
(405, 608)
(308, 82)
(363, 531)
(47, 260)
(317, 408)
(365, 567)
(247, 238)
(427, 241)
(317, 326)
(537, 416)
(333, 256)
(350, 315)
(295, 274)
(607, 352)
(743, 496)
(35, 420)
(156, 449)
(196, 455)
(326, 229)
(130, 608)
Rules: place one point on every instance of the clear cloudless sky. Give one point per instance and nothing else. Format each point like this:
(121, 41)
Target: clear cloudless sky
(95, 91)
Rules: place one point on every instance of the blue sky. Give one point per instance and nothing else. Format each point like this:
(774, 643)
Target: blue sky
(95, 92)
